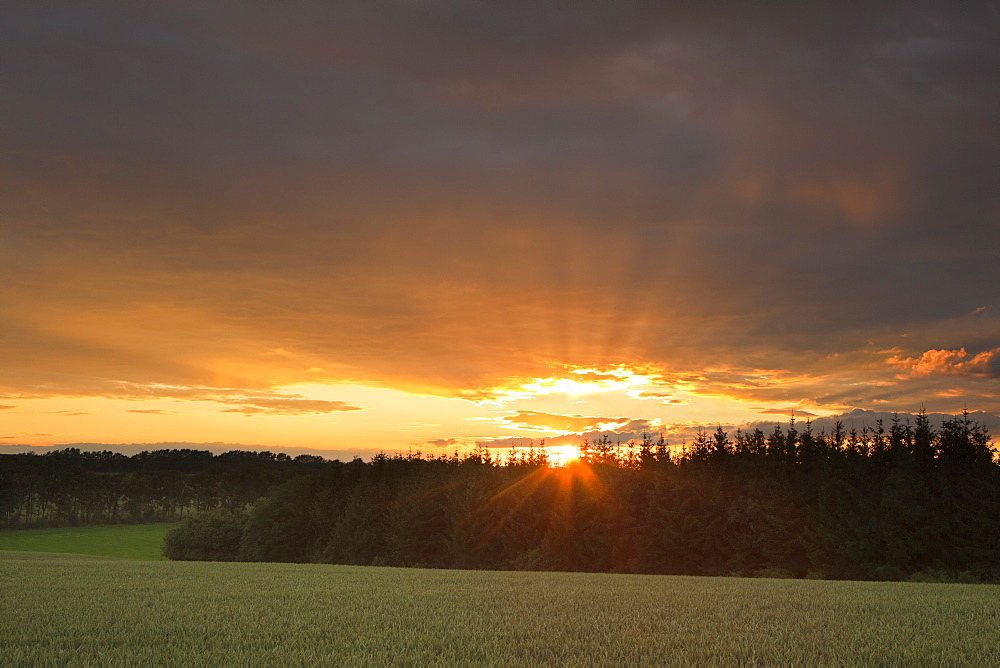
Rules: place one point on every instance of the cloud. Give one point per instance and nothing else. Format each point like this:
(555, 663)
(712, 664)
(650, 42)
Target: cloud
(515, 442)
(598, 376)
(791, 411)
(151, 411)
(950, 362)
(667, 398)
(246, 401)
(555, 422)
(6, 408)
(443, 442)
(626, 429)
(286, 406)
(440, 198)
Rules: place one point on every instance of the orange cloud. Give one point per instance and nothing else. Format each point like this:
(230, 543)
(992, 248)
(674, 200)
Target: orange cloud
(790, 411)
(288, 406)
(627, 429)
(949, 362)
(246, 401)
(565, 423)
(442, 442)
(668, 399)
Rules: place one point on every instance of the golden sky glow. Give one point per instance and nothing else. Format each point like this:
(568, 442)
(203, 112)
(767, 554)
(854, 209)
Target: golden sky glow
(351, 228)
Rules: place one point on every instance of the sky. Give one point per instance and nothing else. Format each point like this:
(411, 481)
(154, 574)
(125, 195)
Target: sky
(345, 227)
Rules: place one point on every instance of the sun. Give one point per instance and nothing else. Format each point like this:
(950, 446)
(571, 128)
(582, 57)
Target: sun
(562, 455)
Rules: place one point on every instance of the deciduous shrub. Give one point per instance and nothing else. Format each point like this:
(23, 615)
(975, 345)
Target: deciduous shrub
(210, 536)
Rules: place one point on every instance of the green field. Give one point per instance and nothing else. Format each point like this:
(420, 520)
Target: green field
(62, 609)
(121, 541)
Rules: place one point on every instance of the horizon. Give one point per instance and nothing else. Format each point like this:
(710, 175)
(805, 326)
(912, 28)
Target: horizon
(559, 452)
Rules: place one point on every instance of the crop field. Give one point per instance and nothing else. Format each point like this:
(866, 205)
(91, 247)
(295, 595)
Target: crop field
(122, 541)
(61, 609)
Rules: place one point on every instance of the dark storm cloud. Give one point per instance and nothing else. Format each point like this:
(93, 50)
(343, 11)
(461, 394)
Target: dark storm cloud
(439, 194)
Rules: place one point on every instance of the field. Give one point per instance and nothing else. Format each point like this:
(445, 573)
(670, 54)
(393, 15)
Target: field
(122, 541)
(61, 609)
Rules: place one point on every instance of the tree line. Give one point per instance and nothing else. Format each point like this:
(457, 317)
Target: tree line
(893, 501)
(68, 487)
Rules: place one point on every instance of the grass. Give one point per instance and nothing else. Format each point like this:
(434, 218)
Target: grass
(60, 609)
(122, 541)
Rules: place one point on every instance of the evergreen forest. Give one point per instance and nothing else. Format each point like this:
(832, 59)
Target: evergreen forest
(898, 501)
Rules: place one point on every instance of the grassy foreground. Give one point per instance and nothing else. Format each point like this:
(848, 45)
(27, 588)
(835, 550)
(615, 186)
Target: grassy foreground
(62, 609)
(121, 541)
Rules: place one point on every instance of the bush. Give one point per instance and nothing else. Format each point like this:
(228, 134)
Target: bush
(280, 526)
(211, 536)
